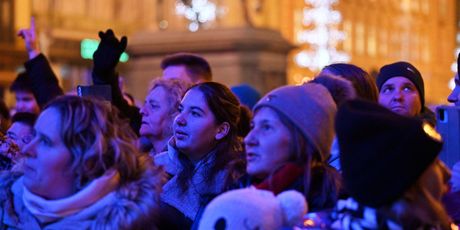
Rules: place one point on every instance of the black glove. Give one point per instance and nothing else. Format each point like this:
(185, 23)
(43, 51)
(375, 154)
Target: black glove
(108, 53)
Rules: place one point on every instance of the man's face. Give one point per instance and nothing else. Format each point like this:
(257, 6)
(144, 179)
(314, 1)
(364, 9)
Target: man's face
(454, 96)
(401, 96)
(25, 102)
(20, 133)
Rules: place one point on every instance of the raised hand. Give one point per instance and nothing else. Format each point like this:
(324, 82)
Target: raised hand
(108, 52)
(30, 38)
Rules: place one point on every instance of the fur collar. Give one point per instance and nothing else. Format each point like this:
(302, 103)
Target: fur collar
(135, 206)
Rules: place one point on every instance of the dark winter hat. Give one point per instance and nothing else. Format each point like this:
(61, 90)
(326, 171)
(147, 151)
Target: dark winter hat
(246, 94)
(310, 108)
(382, 153)
(21, 83)
(402, 69)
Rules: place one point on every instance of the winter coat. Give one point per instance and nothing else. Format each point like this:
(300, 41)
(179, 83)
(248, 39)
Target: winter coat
(133, 205)
(181, 210)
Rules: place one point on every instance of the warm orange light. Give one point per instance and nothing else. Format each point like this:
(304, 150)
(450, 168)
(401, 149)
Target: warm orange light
(308, 223)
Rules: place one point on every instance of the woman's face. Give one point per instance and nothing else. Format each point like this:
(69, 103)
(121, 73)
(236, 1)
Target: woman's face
(267, 144)
(47, 162)
(156, 114)
(195, 128)
(401, 96)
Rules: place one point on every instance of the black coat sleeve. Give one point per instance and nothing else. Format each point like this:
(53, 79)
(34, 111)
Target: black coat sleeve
(45, 85)
(126, 111)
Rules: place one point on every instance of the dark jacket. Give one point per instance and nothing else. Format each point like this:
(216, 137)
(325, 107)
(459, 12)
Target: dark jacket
(44, 83)
(126, 111)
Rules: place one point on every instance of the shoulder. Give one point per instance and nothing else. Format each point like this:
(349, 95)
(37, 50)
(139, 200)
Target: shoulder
(8, 201)
(136, 204)
(168, 161)
(7, 179)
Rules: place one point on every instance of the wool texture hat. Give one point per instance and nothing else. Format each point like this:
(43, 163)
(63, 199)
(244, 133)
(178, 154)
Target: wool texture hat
(382, 153)
(402, 69)
(310, 108)
(251, 208)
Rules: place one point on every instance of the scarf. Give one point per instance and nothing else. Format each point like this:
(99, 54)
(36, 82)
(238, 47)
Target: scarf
(281, 179)
(51, 210)
(196, 196)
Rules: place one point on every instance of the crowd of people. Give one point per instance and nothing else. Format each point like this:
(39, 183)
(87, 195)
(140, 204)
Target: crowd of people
(343, 151)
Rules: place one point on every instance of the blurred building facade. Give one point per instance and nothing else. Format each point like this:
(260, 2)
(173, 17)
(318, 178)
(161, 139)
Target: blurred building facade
(422, 32)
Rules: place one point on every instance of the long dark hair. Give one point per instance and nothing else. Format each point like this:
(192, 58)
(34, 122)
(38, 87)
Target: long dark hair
(226, 108)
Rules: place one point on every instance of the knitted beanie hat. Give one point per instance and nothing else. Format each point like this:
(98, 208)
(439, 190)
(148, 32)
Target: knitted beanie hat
(310, 108)
(402, 69)
(382, 153)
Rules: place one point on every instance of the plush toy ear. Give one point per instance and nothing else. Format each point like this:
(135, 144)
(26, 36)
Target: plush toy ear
(293, 206)
(222, 130)
(220, 224)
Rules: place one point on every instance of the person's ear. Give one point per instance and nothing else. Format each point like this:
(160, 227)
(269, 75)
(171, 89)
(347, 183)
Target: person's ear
(222, 130)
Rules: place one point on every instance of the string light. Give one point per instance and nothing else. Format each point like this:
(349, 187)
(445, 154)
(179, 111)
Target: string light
(322, 38)
(199, 13)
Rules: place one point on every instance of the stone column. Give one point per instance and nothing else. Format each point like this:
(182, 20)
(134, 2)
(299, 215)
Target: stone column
(236, 55)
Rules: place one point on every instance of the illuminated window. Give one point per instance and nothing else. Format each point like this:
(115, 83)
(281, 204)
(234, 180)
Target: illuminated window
(348, 42)
(359, 34)
(372, 41)
(6, 21)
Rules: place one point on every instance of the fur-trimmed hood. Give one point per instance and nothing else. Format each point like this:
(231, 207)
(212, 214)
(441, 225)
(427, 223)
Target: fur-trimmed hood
(133, 205)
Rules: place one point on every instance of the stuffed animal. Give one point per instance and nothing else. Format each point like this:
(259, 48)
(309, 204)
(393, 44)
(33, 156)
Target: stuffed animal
(250, 208)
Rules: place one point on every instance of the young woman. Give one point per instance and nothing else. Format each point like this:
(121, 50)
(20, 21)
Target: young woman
(289, 144)
(201, 153)
(81, 171)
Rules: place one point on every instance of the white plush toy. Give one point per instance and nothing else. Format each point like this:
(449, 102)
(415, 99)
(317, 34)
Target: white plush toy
(250, 208)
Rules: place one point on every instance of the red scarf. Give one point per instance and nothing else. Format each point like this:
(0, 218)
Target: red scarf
(281, 178)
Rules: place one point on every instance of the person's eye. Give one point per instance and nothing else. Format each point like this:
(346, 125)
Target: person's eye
(408, 88)
(45, 141)
(196, 114)
(266, 127)
(387, 89)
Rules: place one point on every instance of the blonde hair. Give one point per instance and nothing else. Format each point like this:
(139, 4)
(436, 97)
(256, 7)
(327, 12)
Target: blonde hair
(175, 89)
(98, 140)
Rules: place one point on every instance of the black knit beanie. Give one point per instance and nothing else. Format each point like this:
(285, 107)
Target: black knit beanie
(402, 69)
(382, 153)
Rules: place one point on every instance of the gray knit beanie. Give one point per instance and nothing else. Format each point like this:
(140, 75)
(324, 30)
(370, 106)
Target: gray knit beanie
(310, 108)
